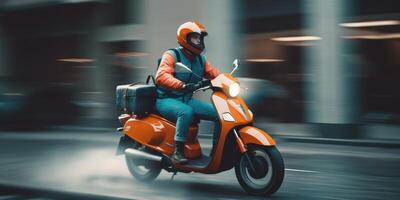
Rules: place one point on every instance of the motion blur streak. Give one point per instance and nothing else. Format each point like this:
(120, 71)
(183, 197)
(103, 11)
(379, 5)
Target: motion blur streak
(321, 77)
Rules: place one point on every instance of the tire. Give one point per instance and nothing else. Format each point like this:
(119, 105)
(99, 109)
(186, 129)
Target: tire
(269, 161)
(143, 171)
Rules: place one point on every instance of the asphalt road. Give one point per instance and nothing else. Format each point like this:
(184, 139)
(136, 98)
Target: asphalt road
(82, 162)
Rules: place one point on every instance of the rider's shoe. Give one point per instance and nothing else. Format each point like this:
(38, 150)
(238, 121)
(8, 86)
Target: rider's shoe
(178, 157)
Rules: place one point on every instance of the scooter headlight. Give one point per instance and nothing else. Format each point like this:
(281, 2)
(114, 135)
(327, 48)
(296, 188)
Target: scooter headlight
(234, 90)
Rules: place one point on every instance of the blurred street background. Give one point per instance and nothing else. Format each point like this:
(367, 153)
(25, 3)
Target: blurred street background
(320, 76)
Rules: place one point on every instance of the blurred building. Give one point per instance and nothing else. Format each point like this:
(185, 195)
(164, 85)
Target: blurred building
(81, 48)
(324, 62)
(336, 59)
(87, 47)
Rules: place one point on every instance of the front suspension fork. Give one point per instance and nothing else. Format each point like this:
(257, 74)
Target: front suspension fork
(243, 149)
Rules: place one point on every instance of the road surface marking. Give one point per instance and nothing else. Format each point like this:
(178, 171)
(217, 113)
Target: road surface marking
(300, 170)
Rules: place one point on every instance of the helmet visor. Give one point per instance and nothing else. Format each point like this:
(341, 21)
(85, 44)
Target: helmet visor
(196, 40)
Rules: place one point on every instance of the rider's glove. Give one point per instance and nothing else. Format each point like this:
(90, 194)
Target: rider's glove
(190, 87)
(205, 83)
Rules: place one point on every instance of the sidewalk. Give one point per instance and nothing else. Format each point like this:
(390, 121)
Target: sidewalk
(373, 135)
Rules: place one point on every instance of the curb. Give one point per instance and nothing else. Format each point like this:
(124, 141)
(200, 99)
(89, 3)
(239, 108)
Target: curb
(316, 140)
(333, 141)
(348, 142)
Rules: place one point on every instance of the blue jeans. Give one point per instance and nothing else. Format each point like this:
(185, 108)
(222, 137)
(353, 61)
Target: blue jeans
(184, 113)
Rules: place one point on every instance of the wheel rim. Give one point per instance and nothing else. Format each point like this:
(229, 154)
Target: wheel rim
(261, 167)
(257, 183)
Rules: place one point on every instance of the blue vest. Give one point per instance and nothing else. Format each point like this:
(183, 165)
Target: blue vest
(196, 66)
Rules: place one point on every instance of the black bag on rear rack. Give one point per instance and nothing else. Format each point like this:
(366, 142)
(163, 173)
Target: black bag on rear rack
(137, 98)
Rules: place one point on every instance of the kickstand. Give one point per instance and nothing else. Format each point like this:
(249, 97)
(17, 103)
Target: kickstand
(173, 169)
(172, 177)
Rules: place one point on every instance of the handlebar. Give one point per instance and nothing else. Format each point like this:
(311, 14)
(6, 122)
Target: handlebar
(203, 88)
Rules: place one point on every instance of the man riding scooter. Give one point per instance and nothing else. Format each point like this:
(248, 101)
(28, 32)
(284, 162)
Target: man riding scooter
(175, 89)
(148, 140)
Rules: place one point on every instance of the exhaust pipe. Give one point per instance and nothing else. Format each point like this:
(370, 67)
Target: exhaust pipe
(133, 153)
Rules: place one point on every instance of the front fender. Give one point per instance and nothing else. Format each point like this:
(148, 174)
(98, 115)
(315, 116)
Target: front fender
(253, 135)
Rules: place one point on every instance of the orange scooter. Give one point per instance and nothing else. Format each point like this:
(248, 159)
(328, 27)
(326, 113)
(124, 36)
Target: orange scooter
(148, 143)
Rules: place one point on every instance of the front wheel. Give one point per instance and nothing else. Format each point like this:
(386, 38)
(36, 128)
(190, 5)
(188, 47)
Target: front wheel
(268, 174)
(144, 171)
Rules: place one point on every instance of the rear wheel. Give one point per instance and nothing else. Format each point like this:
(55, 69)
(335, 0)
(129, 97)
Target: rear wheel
(143, 170)
(268, 174)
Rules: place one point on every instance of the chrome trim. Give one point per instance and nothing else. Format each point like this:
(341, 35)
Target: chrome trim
(133, 153)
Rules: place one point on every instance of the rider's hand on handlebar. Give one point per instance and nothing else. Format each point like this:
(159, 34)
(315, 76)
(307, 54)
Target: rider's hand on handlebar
(205, 83)
(190, 87)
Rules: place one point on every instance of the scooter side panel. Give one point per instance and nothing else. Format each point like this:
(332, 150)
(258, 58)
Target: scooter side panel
(148, 130)
(253, 135)
(192, 146)
(158, 133)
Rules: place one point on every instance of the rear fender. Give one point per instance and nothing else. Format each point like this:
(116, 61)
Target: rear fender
(253, 135)
(124, 143)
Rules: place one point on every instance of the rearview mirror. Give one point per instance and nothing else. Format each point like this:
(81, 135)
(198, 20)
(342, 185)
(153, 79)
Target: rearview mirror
(235, 65)
(181, 68)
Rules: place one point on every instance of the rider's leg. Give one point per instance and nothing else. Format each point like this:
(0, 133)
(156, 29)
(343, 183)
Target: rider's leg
(206, 111)
(175, 110)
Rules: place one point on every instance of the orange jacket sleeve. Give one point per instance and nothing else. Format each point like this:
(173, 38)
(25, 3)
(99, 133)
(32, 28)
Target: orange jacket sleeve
(210, 72)
(165, 73)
